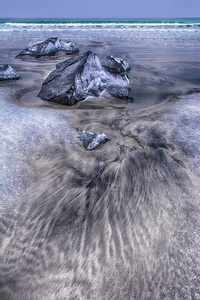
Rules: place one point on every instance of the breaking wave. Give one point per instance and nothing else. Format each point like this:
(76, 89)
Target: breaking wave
(49, 25)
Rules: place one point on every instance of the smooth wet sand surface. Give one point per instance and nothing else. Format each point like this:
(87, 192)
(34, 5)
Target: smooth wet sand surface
(120, 222)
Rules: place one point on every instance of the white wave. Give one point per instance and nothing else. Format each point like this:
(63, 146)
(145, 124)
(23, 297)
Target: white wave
(100, 25)
(90, 28)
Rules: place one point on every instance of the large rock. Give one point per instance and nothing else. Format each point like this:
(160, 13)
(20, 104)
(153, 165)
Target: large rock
(7, 72)
(79, 77)
(50, 47)
(91, 140)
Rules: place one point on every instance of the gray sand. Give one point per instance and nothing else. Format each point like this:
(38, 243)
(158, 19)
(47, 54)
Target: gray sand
(120, 222)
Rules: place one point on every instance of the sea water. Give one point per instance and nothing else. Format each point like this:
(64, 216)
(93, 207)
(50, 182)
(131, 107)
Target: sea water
(162, 30)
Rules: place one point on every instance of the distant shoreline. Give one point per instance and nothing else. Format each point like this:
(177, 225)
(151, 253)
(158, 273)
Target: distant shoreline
(101, 20)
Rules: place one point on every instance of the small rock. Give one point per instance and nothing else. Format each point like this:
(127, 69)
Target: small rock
(7, 72)
(92, 140)
(50, 47)
(116, 65)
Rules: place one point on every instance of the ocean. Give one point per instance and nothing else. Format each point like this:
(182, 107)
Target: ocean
(103, 23)
(128, 29)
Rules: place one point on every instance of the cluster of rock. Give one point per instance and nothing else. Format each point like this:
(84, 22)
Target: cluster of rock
(77, 78)
(81, 76)
(7, 72)
(49, 47)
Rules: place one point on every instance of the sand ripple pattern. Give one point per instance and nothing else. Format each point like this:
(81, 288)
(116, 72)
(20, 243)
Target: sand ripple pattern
(120, 222)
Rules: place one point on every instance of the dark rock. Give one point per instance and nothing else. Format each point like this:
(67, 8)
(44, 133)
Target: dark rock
(92, 140)
(116, 65)
(50, 47)
(7, 72)
(79, 77)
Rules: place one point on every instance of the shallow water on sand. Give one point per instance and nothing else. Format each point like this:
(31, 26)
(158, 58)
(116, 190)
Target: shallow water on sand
(120, 222)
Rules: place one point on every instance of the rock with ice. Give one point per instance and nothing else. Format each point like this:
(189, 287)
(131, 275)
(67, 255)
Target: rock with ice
(49, 47)
(7, 72)
(116, 65)
(91, 140)
(79, 77)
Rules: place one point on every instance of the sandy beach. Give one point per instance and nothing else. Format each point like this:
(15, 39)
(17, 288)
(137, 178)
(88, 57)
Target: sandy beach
(119, 222)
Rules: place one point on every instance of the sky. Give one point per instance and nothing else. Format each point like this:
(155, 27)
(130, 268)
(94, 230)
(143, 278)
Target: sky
(99, 8)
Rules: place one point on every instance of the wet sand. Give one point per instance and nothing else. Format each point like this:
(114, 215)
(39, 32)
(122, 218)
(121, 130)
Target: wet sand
(120, 222)
(157, 71)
